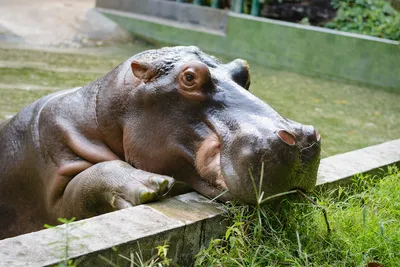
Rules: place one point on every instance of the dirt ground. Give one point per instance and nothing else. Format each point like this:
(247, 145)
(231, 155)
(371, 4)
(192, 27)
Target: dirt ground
(57, 23)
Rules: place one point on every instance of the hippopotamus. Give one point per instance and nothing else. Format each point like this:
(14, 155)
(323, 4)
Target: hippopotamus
(163, 115)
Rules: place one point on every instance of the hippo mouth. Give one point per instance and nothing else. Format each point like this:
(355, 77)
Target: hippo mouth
(208, 163)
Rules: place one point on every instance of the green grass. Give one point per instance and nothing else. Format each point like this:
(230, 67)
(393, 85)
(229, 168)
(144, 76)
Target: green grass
(347, 116)
(45, 78)
(365, 222)
(13, 100)
(94, 58)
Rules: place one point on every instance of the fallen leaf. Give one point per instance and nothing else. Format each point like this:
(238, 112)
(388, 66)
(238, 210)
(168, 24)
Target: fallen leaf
(341, 102)
(374, 264)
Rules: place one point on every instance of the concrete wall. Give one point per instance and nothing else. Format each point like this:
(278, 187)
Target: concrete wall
(305, 49)
(211, 18)
(186, 223)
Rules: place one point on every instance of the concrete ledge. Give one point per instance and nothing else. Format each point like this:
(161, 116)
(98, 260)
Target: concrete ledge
(163, 21)
(340, 168)
(211, 18)
(186, 222)
(312, 28)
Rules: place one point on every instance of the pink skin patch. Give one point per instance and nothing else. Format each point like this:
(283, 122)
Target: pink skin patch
(317, 136)
(208, 162)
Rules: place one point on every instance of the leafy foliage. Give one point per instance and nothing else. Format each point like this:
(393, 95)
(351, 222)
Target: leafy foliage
(372, 17)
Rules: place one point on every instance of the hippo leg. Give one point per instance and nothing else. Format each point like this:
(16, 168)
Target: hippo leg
(111, 185)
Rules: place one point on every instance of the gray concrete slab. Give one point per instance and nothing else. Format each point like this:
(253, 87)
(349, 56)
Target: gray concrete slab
(163, 221)
(339, 168)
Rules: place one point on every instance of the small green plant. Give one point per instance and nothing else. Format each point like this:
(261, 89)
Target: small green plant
(137, 260)
(162, 254)
(372, 17)
(305, 21)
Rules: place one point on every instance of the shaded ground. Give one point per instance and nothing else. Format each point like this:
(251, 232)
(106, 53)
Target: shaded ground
(347, 116)
(61, 23)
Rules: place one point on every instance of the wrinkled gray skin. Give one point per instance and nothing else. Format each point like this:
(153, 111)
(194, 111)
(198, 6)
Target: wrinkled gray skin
(173, 112)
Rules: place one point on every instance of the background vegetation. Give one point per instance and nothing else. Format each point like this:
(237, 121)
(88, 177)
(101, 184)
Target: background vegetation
(371, 17)
(377, 18)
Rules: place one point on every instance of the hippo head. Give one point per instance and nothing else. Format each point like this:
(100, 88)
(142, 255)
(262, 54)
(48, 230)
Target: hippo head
(189, 116)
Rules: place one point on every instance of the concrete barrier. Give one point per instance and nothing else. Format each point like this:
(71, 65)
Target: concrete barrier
(310, 50)
(210, 18)
(186, 222)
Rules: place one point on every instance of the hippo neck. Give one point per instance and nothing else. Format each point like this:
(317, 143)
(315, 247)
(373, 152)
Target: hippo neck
(109, 94)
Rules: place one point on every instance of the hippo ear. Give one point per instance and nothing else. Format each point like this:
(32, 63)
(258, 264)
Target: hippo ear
(240, 72)
(143, 71)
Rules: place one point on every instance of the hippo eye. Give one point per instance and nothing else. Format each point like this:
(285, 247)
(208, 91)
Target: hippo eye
(189, 78)
(193, 79)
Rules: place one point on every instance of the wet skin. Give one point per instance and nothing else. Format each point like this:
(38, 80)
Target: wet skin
(116, 142)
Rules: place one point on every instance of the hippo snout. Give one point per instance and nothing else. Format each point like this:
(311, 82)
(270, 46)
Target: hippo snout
(287, 155)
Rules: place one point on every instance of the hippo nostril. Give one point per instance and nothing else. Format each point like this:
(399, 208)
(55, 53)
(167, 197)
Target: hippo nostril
(286, 137)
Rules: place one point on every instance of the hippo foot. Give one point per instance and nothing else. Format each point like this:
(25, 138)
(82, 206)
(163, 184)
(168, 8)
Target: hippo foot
(110, 186)
(143, 190)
